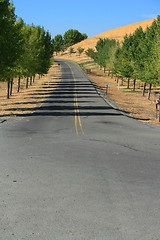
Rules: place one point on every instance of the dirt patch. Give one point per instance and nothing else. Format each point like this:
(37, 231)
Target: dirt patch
(28, 99)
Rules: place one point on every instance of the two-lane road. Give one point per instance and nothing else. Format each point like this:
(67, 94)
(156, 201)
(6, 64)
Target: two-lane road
(76, 169)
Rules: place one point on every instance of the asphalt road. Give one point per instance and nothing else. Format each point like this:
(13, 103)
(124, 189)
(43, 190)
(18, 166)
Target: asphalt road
(77, 169)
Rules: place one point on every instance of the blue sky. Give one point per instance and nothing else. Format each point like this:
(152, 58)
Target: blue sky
(88, 16)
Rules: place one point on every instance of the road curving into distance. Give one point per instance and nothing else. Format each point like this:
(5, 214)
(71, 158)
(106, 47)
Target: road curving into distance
(77, 169)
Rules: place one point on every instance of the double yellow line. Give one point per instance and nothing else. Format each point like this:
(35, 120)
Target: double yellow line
(77, 118)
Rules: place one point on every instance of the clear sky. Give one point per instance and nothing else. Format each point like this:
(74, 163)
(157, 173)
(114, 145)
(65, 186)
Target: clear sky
(87, 16)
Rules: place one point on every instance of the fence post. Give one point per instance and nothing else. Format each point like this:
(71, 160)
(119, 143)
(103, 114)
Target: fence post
(158, 108)
(158, 112)
(107, 86)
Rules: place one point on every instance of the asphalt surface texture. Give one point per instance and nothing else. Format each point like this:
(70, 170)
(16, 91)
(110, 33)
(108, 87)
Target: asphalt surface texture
(78, 169)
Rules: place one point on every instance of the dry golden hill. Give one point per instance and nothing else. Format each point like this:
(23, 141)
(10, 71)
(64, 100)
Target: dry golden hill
(116, 33)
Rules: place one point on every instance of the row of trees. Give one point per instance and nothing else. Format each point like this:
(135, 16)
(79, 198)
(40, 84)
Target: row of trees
(70, 37)
(138, 57)
(25, 50)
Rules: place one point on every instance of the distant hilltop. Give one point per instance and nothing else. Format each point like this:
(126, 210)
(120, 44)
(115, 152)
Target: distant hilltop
(116, 33)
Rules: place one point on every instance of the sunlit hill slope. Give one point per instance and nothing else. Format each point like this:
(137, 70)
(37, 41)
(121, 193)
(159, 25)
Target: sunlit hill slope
(116, 33)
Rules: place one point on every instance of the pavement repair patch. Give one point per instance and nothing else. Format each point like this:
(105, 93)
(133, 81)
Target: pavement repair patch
(2, 120)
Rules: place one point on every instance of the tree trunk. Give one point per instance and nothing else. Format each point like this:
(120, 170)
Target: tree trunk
(11, 87)
(104, 69)
(109, 72)
(149, 91)
(112, 75)
(122, 81)
(27, 82)
(19, 84)
(8, 88)
(31, 81)
(134, 84)
(128, 83)
(144, 89)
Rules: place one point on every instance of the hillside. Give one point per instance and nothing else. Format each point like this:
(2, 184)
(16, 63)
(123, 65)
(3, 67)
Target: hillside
(116, 33)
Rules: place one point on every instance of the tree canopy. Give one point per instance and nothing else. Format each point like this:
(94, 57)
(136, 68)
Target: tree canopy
(105, 52)
(25, 50)
(69, 38)
(10, 39)
(72, 37)
(137, 57)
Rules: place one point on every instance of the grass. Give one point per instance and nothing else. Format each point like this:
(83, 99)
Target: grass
(88, 62)
(131, 91)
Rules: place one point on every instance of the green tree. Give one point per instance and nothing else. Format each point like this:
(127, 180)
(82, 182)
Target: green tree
(80, 50)
(72, 37)
(151, 62)
(10, 42)
(110, 58)
(48, 52)
(90, 52)
(123, 63)
(138, 53)
(139, 56)
(24, 50)
(157, 48)
(43, 50)
(105, 53)
(37, 52)
(100, 54)
(58, 43)
(84, 36)
(17, 68)
(71, 50)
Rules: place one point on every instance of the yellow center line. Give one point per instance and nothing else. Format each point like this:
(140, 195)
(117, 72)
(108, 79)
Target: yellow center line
(77, 111)
(77, 118)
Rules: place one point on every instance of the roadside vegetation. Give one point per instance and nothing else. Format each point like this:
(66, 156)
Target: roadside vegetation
(25, 50)
(131, 68)
(26, 54)
(70, 37)
(136, 58)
